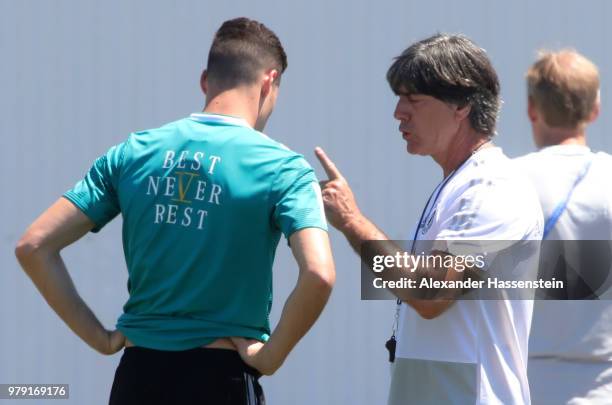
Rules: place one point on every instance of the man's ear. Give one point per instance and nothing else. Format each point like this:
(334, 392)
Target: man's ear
(462, 112)
(532, 111)
(204, 81)
(596, 108)
(270, 79)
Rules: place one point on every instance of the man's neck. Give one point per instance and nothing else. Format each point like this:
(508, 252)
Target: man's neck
(561, 136)
(581, 140)
(236, 103)
(464, 145)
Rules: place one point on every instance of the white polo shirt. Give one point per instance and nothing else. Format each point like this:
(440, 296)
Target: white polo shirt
(573, 330)
(476, 351)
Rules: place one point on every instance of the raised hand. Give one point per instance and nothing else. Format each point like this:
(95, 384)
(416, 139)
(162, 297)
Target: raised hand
(340, 205)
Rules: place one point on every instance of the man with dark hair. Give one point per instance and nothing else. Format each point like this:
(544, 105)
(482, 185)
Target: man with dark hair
(204, 200)
(570, 349)
(448, 350)
(240, 49)
(468, 80)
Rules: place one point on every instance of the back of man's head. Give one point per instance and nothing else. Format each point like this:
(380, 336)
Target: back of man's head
(453, 69)
(564, 87)
(241, 50)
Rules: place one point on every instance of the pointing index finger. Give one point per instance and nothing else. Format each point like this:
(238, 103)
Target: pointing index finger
(329, 166)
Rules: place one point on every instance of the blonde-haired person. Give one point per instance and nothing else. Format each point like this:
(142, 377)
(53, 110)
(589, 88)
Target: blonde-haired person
(570, 349)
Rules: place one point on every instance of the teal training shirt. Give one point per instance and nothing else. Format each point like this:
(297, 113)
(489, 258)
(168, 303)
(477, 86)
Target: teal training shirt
(204, 201)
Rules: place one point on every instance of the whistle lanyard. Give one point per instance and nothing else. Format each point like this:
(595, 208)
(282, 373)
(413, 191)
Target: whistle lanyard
(428, 209)
(554, 217)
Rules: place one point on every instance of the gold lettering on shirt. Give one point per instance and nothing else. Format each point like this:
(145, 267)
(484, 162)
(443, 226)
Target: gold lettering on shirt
(182, 187)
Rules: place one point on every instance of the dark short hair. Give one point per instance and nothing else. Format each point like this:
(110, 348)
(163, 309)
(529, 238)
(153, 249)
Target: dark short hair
(241, 49)
(452, 69)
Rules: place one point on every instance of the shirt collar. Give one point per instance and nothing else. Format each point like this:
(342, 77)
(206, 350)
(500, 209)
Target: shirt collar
(567, 149)
(219, 119)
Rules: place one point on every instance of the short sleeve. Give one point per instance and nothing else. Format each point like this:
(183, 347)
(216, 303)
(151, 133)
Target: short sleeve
(487, 215)
(96, 195)
(482, 210)
(296, 196)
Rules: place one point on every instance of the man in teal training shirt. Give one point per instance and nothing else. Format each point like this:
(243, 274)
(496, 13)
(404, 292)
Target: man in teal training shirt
(204, 201)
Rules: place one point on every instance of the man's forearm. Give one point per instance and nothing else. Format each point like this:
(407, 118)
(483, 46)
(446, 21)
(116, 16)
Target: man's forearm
(49, 274)
(359, 230)
(312, 252)
(300, 312)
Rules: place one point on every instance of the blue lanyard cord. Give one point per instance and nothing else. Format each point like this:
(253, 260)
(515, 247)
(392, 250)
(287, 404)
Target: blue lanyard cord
(440, 187)
(560, 208)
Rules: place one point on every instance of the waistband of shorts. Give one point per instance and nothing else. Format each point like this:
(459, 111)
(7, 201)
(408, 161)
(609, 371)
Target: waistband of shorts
(214, 357)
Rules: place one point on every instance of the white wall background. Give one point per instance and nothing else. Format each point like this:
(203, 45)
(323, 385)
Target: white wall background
(77, 76)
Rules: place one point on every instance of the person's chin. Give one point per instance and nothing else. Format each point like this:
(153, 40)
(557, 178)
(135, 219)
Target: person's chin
(412, 148)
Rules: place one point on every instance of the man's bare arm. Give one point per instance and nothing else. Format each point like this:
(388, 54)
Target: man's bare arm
(38, 252)
(344, 214)
(317, 275)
